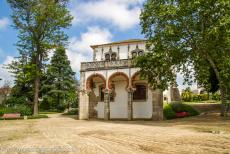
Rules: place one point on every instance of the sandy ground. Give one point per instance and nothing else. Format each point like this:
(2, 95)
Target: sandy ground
(64, 134)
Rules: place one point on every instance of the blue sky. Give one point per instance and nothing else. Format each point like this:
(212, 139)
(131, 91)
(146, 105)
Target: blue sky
(95, 22)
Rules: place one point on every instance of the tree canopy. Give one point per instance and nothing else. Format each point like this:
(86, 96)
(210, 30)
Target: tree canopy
(188, 37)
(40, 24)
(59, 83)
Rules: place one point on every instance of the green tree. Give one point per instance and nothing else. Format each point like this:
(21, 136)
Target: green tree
(187, 37)
(40, 24)
(23, 84)
(59, 84)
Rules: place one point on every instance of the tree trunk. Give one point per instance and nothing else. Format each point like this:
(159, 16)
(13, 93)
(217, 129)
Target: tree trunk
(224, 106)
(36, 93)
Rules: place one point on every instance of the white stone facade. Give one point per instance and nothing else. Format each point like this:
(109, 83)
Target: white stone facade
(111, 88)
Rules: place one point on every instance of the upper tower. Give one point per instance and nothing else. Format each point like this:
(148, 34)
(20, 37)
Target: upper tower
(126, 49)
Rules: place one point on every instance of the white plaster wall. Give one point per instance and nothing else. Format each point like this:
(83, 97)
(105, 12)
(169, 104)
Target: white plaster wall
(119, 108)
(143, 109)
(100, 110)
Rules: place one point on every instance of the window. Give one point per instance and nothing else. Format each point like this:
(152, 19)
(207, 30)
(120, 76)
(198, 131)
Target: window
(140, 93)
(107, 57)
(140, 53)
(134, 54)
(113, 56)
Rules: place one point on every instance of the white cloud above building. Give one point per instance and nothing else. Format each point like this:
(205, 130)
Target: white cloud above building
(79, 48)
(122, 14)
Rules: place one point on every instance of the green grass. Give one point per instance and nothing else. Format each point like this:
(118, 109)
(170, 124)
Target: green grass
(204, 102)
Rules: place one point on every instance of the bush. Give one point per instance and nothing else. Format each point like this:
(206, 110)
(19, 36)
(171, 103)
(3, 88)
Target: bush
(168, 112)
(180, 107)
(186, 96)
(216, 96)
(22, 109)
(71, 112)
(15, 100)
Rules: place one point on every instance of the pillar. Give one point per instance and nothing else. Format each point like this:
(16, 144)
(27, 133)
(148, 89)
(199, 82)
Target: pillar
(157, 105)
(106, 104)
(83, 106)
(130, 104)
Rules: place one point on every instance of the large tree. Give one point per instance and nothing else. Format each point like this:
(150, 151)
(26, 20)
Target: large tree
(40, 24)
(188, 37)
(59, 83)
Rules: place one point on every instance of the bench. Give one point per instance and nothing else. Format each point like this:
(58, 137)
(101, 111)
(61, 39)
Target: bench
(11, 116)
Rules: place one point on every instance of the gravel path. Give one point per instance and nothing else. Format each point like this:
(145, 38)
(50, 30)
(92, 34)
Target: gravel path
(64, 134)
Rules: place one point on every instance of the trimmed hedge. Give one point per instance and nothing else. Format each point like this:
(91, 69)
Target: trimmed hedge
(170, 110)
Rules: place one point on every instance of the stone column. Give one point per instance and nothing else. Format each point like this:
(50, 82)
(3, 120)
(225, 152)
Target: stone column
(83, 106)
(130, 104)
(157, 105)
(106, 104)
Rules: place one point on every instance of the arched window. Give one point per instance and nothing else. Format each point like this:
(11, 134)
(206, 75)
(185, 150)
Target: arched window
(140, 53)
(107, 57)
(113, 56)
(134, 54)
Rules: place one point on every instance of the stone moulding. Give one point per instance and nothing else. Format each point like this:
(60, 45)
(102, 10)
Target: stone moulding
(102, 65)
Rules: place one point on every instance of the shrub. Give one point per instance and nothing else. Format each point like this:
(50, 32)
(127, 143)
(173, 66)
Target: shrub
(200, 97)
(180, 107)
(168, 112)
(22, 109)
(186, 96)
(216, 96)
(15, 100)
(204, 97)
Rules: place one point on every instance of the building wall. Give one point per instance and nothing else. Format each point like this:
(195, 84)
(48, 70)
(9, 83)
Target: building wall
(143, 109)
(119, 108)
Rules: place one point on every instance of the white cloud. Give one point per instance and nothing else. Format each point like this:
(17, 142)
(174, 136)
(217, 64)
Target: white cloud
(4, 74)
(4, 22)
(79, 49)
(121, 13)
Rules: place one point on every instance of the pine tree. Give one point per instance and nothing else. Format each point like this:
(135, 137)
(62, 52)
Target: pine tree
(59, 85)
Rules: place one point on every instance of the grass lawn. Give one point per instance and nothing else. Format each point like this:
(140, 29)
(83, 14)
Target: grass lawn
(204, 102)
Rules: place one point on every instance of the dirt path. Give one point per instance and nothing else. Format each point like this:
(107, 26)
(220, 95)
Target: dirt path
(63, 134)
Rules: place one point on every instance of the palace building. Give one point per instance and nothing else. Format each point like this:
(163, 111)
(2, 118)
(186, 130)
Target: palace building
(111, 87)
